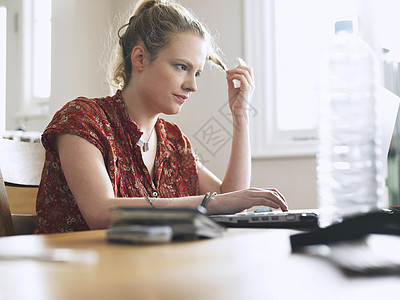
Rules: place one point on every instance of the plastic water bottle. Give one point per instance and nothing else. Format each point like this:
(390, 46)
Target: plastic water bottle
(348, 166)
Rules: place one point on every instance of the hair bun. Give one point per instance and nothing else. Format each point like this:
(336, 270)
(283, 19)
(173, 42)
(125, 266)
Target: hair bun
(145, 5)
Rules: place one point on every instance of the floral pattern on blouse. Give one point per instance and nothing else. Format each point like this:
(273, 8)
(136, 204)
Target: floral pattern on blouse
(105, 123)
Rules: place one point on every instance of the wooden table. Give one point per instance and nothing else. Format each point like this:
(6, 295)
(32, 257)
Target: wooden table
(244, 264)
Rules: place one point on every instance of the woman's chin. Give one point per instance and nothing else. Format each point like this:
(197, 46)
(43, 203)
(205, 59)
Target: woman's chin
(173, 111)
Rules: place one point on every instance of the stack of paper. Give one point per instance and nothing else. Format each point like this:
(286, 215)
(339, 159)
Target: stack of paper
(148, 225)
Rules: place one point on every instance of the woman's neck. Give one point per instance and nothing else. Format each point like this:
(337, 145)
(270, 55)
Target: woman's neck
(139, 112)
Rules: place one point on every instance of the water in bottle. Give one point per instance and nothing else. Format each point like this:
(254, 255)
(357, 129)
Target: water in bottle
(348, 166)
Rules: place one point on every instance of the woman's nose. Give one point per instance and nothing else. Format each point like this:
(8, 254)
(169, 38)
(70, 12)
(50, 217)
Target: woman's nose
(190, 84)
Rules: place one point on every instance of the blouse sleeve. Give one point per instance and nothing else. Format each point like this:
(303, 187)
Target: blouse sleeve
(81, 117)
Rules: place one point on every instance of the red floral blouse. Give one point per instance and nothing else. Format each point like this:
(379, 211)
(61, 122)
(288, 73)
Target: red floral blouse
(105, 123)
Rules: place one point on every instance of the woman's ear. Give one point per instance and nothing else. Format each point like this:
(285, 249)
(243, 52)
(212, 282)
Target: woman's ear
(138, 56)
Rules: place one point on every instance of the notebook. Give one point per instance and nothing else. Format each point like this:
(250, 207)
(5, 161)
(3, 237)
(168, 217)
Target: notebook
(388, 106)
(147, 225)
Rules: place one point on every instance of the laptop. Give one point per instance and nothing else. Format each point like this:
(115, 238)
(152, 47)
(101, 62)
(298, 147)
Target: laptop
(298, 219)
(307, 219)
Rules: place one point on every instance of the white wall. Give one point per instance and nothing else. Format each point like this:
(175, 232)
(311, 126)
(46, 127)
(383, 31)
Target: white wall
(294, 177)
(79, 35)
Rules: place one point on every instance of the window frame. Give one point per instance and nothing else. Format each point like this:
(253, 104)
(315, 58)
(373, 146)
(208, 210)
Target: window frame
(22, 107)
(259, 51)
(3, 75)
(31, 106)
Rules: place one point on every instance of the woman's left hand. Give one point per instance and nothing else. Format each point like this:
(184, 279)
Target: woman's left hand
(240, 97)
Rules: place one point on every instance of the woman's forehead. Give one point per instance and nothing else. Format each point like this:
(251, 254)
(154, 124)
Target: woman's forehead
(187, 46)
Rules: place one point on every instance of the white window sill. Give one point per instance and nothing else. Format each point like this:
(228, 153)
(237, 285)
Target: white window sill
(285, 152)
(34, 112)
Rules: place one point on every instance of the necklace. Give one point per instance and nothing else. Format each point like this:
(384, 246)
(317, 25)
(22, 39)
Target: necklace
(145, 145)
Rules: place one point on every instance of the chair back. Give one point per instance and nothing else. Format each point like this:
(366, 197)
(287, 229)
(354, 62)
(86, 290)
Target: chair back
(21, 162)
(6, 224)
(21, 165)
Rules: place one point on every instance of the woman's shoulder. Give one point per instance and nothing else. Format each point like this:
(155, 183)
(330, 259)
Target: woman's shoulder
(173, 135)
(84, 117)
(83, 105)
(105, 109)
(171, 130)
(168, 125)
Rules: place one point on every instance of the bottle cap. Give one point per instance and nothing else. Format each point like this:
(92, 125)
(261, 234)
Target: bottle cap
(346, 26)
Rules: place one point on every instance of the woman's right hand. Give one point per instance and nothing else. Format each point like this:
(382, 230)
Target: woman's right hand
(238, 201)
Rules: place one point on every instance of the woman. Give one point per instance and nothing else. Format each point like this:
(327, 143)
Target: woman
(116, 151)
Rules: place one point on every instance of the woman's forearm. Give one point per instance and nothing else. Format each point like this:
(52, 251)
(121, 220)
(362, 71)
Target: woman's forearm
(99, 217)
(221, 203)
(238, 173)
(240, 89)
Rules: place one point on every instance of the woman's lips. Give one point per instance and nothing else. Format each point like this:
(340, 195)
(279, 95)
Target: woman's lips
(181, 98)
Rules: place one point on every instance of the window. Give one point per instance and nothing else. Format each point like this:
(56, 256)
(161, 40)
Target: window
(37, 50)
(41, 48)
(25, 62)
(3, 45)
(28, 81)
(284, 42)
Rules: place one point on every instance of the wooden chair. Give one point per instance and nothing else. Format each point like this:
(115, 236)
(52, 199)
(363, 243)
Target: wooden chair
(21, 165)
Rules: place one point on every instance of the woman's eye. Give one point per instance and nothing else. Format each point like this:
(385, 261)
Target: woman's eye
(182, 67)
(197, 74)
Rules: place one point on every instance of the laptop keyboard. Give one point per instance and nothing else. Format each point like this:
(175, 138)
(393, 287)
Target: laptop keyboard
(290, 219)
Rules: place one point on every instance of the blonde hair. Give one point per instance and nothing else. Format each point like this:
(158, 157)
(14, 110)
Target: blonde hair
(152, 24)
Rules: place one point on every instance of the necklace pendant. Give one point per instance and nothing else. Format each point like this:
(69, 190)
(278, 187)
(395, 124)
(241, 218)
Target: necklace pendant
(145, 145)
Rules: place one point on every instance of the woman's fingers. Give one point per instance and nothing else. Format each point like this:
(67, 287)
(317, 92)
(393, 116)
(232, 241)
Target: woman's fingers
(278, 201)
(272, 204)
(240, 89)
(241, 73)
(277, 193)
(233, 202)
(273, 198)
(239, 96)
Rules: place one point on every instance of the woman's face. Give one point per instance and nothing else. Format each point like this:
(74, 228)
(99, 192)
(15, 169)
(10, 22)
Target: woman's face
(167, 82)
